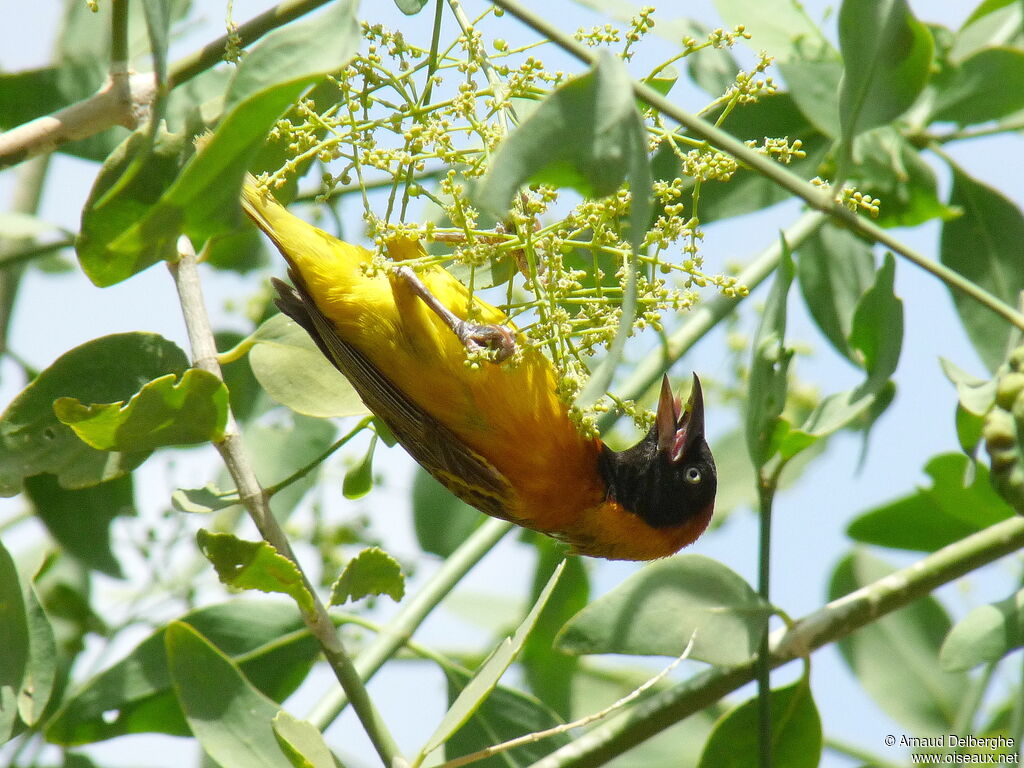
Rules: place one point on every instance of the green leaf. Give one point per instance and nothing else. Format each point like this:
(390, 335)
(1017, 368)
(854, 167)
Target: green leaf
(587, 135)
(359, 479)
(976, 398)
(265, 637)
(658, 609)
(124, 228)
(504, 715)
(834, 269)
(372, 572)
(229, 717)
(15, 639)
(107, 369)
(887, 55)
(549, 671)
(441, 519)
(983, 245)
(254, 565)
(293, 371)
(201, 501)
(486, 678)
(164, 412)
(80, 519)
(796, 732)
(41, 667)
(986, 86)
(410, 7)
(934, 517)
(874, 342)
(271, 76)
(278, 450)
(782, 28)
(993, 23)
(769, 367)
(976, 395)
(301, 742)
(814, 87)
(896, 658)
(985, 635)
(876, 335)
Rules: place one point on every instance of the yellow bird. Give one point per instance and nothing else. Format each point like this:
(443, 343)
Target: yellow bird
(497, 435)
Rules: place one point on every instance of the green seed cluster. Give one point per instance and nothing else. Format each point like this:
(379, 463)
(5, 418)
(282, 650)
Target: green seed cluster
(1003, 432)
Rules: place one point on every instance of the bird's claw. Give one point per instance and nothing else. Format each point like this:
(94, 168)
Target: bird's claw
(496, 340)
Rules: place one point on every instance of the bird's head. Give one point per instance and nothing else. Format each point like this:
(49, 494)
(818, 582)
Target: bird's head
(668, 478)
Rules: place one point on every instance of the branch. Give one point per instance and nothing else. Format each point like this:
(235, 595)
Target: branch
(777, 173)
(257, 504)
(122, 100)
(835, 620)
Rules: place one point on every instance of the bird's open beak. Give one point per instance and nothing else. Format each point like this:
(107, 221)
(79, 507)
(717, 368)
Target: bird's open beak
(679, 431)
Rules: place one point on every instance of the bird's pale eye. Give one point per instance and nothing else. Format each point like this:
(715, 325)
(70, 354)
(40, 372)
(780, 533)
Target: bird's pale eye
(692, 475)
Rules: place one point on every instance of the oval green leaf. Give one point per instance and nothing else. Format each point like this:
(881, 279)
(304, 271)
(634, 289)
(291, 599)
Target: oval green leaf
(229, 717)
(266, 637)
(164, 412)
(985, 635)
(301, 742)
(887, 56)
(293, 371)
(796, 732)
(372, 572)
(254, 565)
(986, 86)
(931, 518)
(983, 245)
(896, 658)
(104, 370)
(658, 609)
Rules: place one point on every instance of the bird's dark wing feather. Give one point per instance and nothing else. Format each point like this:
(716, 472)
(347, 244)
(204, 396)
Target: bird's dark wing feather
(462, 470)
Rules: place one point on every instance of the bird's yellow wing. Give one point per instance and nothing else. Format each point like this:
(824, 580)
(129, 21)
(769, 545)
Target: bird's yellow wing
(463, 471)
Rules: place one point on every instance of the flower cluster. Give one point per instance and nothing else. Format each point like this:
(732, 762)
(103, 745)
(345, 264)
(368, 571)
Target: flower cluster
(412, 123)
(850, 197)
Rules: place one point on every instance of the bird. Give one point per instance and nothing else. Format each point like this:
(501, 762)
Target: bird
(495, 434)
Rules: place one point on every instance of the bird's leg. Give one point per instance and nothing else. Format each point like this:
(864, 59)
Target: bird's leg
(476, 337)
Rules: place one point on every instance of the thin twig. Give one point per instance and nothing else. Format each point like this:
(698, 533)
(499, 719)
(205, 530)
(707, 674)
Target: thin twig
(257, 504)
